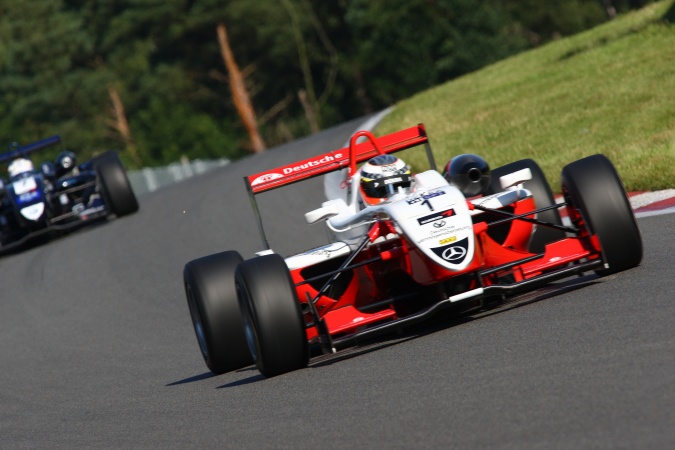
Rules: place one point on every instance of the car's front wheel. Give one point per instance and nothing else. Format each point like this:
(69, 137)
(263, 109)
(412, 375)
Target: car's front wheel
(117, 190)
(543, 197)
(275, 330)
(597, 202)
(214, 309)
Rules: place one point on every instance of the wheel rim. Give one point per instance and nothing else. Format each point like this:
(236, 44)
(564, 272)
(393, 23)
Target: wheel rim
(249, 328)
(249, 331)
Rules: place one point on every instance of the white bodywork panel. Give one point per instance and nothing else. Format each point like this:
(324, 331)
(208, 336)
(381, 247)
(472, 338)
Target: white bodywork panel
(435, 217)
(24, 185)
(317, 255)
(438, 222)
(33, 212)
(500, 199)
(515, 178)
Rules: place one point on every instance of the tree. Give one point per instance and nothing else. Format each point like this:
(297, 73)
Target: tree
(426, 42)
(146, 76)
(240, 95)
(39, 70)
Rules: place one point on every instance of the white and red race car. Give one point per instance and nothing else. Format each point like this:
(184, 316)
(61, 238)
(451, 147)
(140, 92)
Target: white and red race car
(464, 241)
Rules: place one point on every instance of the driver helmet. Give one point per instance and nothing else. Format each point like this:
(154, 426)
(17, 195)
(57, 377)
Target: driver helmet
(381, 177)
(19, 166)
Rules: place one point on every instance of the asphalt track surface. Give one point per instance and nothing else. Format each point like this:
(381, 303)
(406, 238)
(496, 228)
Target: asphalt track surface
(97, 348)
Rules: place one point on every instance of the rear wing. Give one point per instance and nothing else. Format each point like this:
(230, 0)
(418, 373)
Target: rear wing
(30, 148)
(347, 157)
(338, 159)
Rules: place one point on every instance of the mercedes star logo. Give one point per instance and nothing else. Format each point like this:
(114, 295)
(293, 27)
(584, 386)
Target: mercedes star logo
(454, 253)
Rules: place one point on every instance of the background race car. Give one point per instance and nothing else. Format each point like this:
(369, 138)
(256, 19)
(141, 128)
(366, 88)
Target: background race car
(403, 247)
(60, 195)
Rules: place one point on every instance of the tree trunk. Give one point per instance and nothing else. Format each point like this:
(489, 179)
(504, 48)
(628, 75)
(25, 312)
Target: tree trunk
(122, 125)
(239, 93)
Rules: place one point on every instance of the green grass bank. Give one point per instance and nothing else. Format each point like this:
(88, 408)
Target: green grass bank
(609, 90)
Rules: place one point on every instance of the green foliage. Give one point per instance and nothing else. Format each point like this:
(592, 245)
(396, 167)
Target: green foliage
(34, 64)
(63, 62)
(429, 42)
(602, 91)
(165, 132)
(546, 21)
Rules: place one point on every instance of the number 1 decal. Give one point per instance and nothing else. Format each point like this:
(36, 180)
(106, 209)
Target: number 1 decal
(428, 203)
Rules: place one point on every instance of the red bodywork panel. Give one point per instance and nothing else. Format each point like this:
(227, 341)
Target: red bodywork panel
(344, 315)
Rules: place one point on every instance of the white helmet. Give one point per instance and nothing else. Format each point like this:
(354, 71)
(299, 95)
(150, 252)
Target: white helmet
(19, 166)
(381, 177)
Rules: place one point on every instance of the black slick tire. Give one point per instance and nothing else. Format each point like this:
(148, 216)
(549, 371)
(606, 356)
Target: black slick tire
(543, 197)
(597, 200)
(275, 329)
(215, 313)
(115, 185)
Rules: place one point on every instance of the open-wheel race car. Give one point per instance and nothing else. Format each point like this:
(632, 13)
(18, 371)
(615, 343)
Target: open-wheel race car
(58, 196)
(402, 248)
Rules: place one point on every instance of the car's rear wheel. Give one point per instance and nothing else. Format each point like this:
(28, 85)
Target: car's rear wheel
(543, 197)
(116, 187)
(215, 313)
(275, 330)
(598, 203)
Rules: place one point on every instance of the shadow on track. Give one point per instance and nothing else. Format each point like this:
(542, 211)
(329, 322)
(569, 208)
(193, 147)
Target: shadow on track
(442, 321)
(49, 235)
(203, 376)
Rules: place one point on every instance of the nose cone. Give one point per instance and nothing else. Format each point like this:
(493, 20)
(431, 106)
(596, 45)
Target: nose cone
(33, 212)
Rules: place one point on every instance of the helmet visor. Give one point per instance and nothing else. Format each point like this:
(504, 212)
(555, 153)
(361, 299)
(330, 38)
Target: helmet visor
(385, 187)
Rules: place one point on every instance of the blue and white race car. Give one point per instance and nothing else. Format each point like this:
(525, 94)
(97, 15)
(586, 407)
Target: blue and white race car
(60, 195)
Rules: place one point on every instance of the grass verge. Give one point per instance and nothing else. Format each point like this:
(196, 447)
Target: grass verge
(609, 90)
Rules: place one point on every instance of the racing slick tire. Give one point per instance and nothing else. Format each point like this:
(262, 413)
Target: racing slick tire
(275, 329)
(597, 201)
(543, 197)
(215, 313)
(115, 183)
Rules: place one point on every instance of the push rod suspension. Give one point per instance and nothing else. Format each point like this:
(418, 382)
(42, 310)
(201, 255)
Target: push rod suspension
(509, 217)
(341, 269)
(338, 271)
